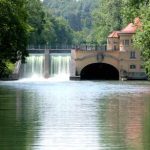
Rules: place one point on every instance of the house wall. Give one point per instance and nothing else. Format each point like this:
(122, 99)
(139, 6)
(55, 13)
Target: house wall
(112, 44)
(130, 57)
(120, 53)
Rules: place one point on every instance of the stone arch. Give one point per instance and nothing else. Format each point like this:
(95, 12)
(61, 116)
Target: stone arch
(99, 71)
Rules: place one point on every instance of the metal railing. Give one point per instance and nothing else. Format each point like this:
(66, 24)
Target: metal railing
(68, 47)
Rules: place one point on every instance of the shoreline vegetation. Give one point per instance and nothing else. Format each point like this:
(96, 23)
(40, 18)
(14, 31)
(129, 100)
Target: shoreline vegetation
(26, 22)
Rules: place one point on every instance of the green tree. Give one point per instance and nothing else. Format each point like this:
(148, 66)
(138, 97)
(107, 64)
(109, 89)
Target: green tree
(36, 19)
(141, 9)
(46, 29)
(47, 34)
(142, 37)
(132, 9)
(107, 17)
(77, 14)
(63, 31)
(13, 32)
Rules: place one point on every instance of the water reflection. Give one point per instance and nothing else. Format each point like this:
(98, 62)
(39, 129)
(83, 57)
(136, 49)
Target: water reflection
(74, 115)
(16, 121)
(121, 121)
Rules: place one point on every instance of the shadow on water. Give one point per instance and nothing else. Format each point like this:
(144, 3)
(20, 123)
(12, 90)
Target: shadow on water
(17, 120)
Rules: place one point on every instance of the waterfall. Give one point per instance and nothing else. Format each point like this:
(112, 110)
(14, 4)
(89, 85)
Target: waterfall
(33, 66)
(60, 65)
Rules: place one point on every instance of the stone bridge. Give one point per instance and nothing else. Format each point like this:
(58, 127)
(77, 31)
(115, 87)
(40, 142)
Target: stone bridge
(95, 64)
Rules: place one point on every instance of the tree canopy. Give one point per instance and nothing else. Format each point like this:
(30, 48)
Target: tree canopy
(142, 37)
(141, 9)
(13, 33)
(35, 22)
(107, 17)
(13, 30)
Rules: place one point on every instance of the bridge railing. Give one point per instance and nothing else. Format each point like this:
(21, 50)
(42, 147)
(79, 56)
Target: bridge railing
(67, 47)
(56, 46)
(93, 47)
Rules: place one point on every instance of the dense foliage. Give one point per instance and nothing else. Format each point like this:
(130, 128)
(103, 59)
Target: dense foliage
(141, 9)
(107, 18)
(26, 22)
(46, 29)
(50, 22)
(13, 32)
(133, 8)
(78, 15)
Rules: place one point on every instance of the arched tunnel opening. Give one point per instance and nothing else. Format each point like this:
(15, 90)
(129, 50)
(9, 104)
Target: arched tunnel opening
(99, 71)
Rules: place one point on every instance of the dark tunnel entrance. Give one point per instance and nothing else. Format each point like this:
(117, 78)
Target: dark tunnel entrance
(99, 71)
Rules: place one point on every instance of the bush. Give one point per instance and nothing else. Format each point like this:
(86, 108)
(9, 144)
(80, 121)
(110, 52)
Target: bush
(6, 68)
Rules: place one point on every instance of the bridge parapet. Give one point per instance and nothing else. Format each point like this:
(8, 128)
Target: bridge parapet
(83, 54)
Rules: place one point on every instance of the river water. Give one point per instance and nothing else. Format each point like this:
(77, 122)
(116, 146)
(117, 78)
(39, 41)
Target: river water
(69, 115)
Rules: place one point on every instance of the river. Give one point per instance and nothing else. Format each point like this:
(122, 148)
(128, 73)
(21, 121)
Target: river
(74, 115)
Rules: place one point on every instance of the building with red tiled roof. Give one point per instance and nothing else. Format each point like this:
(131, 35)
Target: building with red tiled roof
(121, 60)
(130, 59)
(131, 27)
(114, 34)
(113, 40)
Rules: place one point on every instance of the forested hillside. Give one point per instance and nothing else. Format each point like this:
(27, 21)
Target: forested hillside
(78, 13)
(45, 28)
(47, 22)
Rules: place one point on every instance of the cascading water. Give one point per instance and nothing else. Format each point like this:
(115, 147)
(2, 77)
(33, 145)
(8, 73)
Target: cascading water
(34, 66)
(60, 65)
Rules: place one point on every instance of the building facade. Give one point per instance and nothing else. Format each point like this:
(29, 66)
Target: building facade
(130, 65)
(120, 60)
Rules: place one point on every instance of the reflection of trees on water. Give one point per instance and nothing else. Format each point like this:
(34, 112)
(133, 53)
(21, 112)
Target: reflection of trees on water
(16, 119)
(146, 130)
(122, 122)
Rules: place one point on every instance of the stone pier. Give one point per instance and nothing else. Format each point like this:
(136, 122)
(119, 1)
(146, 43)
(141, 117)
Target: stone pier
(46, 64)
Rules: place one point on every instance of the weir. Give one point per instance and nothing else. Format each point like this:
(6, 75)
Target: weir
(33, 66)
(86, 64)
(59, 65)
(46, 65)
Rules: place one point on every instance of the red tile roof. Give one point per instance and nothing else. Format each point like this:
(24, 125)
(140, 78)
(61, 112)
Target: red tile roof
(132, 27)
(114, 34)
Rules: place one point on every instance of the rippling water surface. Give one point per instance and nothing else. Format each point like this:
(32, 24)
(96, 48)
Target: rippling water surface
(68, 115)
